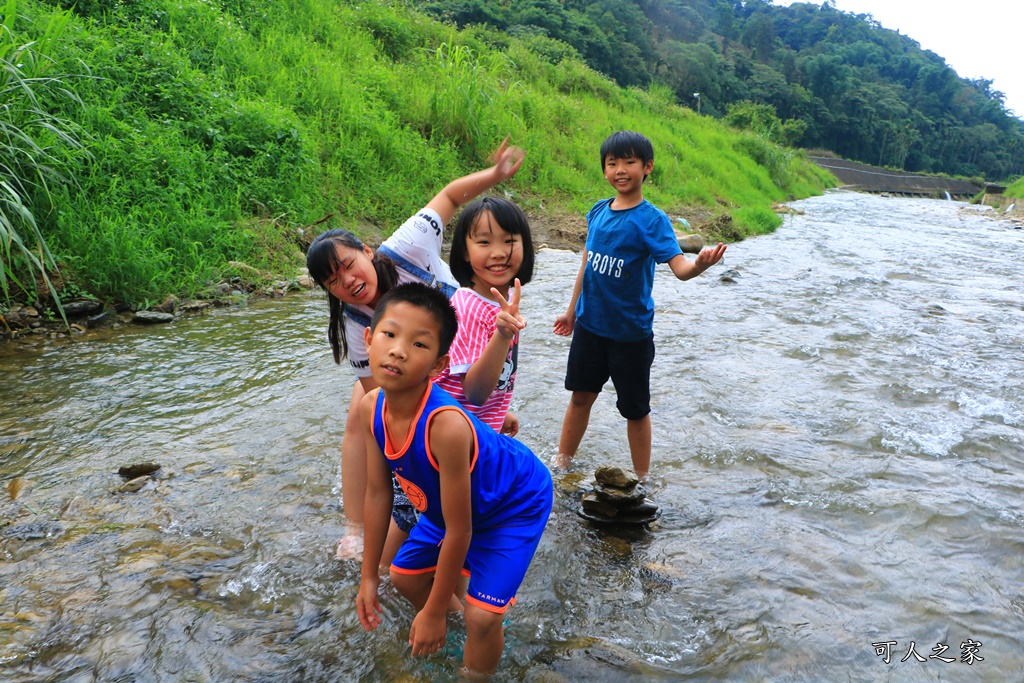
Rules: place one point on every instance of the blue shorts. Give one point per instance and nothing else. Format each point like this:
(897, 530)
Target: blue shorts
(496, 562)
(593, 359)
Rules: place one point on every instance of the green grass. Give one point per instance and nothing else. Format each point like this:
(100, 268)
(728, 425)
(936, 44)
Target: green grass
(214, 130)
(1015, 189)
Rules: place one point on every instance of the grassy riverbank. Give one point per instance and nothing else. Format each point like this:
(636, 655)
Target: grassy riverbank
(1016, 189)
(209, 135)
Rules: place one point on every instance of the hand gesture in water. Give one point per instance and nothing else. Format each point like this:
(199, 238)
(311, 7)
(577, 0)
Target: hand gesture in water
(368, 608)
(427, 634)
(709, 256)
(509, 320)
(507, 160)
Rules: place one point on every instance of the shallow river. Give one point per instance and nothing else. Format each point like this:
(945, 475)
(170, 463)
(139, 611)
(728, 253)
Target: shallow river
(838, 453)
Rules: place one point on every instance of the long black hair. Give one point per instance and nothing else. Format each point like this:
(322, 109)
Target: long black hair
(321, 262)
(511, 219)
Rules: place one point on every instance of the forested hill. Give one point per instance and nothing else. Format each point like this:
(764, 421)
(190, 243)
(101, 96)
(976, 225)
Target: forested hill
(842, 81)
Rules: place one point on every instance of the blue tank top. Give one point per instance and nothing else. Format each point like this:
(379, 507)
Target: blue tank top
(507, 480)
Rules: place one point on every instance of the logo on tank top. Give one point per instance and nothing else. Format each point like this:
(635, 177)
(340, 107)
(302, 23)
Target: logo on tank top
(413, 492)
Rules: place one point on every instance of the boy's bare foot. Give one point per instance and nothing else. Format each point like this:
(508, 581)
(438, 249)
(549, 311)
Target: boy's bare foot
(563, 461)
(350, 545)
(466, 674)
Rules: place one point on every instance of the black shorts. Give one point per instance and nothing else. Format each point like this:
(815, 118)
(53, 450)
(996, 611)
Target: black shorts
(593, 359)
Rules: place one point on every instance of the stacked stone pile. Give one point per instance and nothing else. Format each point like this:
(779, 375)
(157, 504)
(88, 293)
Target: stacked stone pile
(617, 497)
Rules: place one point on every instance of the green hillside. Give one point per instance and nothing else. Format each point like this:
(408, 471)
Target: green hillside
(151, 143)
(840, 80)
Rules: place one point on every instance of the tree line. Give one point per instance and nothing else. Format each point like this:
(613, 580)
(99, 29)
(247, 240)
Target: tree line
(833, 80)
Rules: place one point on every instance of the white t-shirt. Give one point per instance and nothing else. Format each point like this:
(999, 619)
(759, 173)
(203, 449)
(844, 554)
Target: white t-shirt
(418, 240)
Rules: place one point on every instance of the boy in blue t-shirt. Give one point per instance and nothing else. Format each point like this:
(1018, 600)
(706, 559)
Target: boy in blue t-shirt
(484, 497)
(611, 314)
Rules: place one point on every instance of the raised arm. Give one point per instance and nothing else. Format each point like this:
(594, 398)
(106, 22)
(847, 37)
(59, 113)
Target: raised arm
(451, 442)
(565, 323)
(377, 513)
(507, 160)
(481, 379)
(685, 269)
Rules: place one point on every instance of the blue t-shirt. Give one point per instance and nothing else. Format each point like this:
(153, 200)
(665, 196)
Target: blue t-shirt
(622, 249)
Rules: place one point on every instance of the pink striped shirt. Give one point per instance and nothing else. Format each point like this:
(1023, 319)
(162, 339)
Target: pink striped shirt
(477, 317)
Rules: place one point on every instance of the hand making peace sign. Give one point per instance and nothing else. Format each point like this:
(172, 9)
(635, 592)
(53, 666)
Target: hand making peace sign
(509, 320)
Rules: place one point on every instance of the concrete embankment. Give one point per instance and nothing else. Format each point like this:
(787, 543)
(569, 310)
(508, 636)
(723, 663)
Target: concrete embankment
(866, 178)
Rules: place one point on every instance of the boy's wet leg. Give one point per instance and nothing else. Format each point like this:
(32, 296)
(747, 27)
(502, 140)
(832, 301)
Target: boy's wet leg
(574, 426)
(485, 641)
(639, 434)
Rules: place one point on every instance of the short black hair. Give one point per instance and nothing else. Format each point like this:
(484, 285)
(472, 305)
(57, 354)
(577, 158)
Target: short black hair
(625, 144)
(511, 219)
(426, 297)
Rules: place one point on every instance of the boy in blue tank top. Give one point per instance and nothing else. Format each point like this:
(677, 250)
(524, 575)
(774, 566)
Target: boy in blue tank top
(611, 313)
(484, 498)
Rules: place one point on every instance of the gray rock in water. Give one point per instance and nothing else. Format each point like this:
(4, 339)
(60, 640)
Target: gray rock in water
(98, 319)
(594, 505)
(138, 469)
(616, 476)
(643, 508)
(621, 497)
(33, 530)
(73, 309)
(133, 485)
(617, 498)
(152, 317)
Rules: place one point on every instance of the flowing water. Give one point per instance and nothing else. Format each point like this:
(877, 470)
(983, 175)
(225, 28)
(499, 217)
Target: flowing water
(839, 441)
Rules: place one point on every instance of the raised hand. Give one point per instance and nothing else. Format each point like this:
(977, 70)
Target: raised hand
(564, 324)
(507, 160)
(709, 256)
(509, 321)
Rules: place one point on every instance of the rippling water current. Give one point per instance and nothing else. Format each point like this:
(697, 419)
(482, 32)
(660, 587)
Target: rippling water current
(838, 455)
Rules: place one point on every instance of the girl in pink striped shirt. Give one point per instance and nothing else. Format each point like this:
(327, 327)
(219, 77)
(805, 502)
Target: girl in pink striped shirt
(491, 257)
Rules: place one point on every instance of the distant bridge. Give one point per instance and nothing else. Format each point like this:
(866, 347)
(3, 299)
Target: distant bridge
(876, 180)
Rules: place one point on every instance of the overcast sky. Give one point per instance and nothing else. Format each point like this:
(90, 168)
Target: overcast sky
(977, 38)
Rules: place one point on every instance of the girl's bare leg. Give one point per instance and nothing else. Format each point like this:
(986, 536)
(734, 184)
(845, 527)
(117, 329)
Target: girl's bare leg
(353, 480)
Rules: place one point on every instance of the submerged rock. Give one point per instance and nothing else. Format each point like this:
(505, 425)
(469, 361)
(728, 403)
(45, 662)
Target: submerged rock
(33, 530)
(133, 485)
(138, 469)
